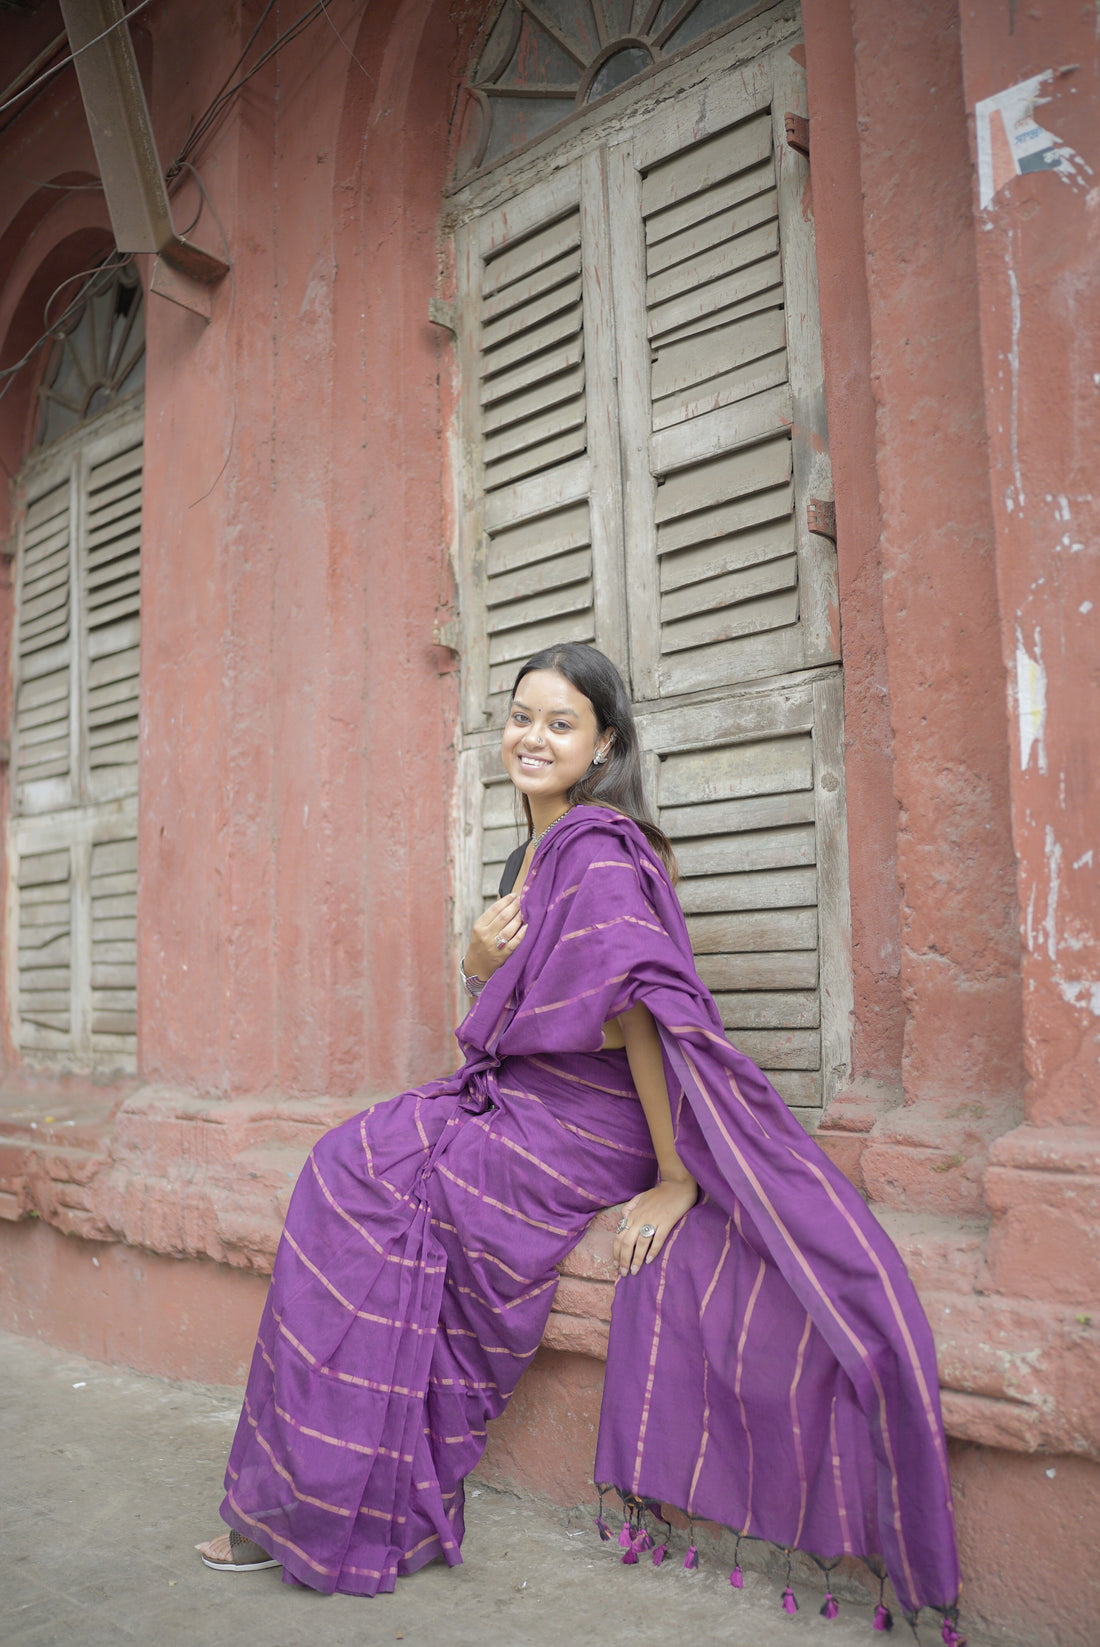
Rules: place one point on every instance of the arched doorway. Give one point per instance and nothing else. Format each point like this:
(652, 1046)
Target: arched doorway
(644, 444)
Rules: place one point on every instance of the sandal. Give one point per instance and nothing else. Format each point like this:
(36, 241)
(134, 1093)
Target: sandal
(243, 1556)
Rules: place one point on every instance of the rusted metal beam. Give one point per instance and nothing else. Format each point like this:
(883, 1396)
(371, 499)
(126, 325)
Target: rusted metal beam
(122, 133)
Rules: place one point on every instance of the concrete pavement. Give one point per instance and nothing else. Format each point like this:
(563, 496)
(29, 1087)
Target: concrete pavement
(110, 1478)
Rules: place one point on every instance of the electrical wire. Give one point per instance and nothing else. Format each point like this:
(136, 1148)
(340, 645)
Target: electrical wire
(53, 331)
(219, 103)
(347, 48)
(217, 106)
(55, 68)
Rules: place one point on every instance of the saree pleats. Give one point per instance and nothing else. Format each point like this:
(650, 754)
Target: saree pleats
(411, 1288)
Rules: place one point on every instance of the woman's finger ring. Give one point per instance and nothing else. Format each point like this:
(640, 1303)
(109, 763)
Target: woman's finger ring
(501, 941)
(624, 1225)
(646, 1231)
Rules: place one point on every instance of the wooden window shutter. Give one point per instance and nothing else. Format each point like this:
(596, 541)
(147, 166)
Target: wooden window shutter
(43, 718)
(73, 946)
(724, 428)
(113, 972)
(44, 951)
(750, 789)
(110, 611)
(539, 539)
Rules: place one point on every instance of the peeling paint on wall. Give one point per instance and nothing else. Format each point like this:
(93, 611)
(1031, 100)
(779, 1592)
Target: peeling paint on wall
(1054, 864)
(1081, 992)
(1031, 703)
(1011, 141)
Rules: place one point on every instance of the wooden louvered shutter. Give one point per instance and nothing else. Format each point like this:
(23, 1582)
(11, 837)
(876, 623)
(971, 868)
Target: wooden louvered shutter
(73, 963)
(538, 559)
(44, 950)
(723, 411)
(113, 900)
(680, 527)
(43, 719)
(110, 603)
(750, 789)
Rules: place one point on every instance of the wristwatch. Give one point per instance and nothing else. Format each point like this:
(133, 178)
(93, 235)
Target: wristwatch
(472, 984)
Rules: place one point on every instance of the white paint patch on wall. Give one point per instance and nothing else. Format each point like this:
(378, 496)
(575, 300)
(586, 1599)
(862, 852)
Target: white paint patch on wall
(1011, 141)
(1031, 703)
(1082, 992)
(1054, 866)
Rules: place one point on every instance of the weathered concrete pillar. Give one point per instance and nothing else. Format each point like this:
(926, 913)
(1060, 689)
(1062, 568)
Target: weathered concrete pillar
(1037, 140)
(940, 673)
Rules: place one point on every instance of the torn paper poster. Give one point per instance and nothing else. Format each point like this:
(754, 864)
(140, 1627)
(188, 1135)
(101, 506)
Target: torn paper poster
(1011, 141)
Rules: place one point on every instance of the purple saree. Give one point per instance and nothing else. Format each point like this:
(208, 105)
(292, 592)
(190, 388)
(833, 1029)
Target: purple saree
(772, 1370)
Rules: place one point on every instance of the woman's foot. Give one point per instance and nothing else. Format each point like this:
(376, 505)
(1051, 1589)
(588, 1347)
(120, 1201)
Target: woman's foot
(233, 1553)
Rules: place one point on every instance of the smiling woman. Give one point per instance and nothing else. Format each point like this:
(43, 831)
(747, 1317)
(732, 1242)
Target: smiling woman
(419, 1260)
(550, 742)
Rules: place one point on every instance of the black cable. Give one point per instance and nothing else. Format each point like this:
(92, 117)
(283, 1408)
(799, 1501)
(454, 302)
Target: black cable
(223, 99)
(55, 68)
(53, 331)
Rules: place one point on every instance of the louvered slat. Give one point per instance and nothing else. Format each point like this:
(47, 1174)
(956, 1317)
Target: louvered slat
(43, 734)
(531, 361)
(114, 946)
(111, 596)
(728, 567)
(741, 819)
(44, 959)
(538, 589)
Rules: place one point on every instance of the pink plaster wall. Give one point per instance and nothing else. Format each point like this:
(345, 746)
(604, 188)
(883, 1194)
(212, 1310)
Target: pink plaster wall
(129, 1308)
(296, 766)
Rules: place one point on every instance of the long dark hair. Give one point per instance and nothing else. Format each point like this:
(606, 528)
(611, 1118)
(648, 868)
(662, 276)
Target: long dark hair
(617, 783)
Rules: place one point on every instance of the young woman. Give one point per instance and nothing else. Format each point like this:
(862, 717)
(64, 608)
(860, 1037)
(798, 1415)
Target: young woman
(769, 1367)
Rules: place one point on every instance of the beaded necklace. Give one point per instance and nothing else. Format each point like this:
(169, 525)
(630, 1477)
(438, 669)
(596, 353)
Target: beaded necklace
(550, 826)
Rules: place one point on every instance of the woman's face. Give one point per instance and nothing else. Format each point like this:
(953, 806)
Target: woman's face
(550, 738)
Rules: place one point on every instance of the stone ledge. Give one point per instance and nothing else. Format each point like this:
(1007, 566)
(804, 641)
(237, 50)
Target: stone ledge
(190, 1178)
(186, 1178)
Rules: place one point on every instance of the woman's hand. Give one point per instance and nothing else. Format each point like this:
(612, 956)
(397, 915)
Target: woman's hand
(496, 935)
(659, 1209)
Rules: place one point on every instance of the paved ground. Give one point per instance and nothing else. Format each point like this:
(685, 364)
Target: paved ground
(110, 1478)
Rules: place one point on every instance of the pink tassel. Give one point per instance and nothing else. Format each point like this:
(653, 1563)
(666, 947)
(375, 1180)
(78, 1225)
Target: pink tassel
(692, 1558)
(624, 1536)
(737, 1579)
(830, 1609)
(630, 1557)
(602, 1528)
(790, 1605)
(884, 1619)
(659, 1554)
(951, 1636)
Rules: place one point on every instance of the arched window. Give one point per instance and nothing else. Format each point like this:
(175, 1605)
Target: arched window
(98, 358)
(76, 690)
(542, 60)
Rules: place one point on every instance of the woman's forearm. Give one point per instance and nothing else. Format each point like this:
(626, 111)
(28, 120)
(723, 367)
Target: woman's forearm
(643, 1052)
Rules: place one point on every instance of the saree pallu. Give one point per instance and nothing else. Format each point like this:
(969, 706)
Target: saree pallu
(411, 1288)
(773, 1370)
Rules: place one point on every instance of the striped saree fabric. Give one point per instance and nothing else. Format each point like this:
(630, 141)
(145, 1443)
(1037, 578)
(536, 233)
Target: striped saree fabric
(773, 1370)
